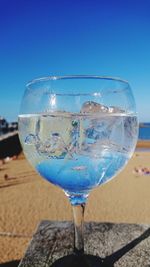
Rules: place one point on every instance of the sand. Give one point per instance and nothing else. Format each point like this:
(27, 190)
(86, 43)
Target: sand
(26, 199)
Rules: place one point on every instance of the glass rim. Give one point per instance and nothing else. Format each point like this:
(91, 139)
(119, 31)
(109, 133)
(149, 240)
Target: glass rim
(78, 76)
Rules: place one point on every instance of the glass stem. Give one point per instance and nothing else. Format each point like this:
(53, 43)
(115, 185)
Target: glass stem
(78, 215)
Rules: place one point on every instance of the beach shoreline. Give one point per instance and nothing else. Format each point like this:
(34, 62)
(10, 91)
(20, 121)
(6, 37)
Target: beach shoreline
(143, 144)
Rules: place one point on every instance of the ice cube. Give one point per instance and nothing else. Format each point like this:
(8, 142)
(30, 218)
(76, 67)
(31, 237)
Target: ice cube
(130, 131)
(93, 107)
(102, 129)
(113, 109)
(53, 147)
(95, 127)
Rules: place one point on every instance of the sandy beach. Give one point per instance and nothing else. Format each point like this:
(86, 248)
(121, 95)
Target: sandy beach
(26, 199)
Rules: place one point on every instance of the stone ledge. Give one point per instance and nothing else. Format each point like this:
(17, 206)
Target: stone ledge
(120, 245)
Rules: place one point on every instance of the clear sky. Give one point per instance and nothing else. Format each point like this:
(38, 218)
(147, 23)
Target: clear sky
(50, 37)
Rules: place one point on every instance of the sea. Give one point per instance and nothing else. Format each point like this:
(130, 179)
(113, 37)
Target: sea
(144, 131)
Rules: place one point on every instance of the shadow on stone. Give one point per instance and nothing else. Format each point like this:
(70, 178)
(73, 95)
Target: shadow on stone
(95, 261)
(79, 261)
(10, 264)
(110, 260)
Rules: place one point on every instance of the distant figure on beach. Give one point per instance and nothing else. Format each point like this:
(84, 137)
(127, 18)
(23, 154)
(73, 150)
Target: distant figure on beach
(141, 171)
(6, 177)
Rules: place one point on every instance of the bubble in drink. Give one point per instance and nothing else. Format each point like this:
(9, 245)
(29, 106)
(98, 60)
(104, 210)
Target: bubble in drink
(31, 139)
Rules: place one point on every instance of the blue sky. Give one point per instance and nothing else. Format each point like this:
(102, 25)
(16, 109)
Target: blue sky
(45, 37)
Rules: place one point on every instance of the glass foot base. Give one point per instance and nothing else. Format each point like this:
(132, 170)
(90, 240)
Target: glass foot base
(80, 261)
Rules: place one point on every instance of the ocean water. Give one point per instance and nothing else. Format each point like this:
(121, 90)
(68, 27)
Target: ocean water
(144, 131)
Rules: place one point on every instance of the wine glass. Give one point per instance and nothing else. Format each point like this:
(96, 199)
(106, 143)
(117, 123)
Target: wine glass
(78, 132)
